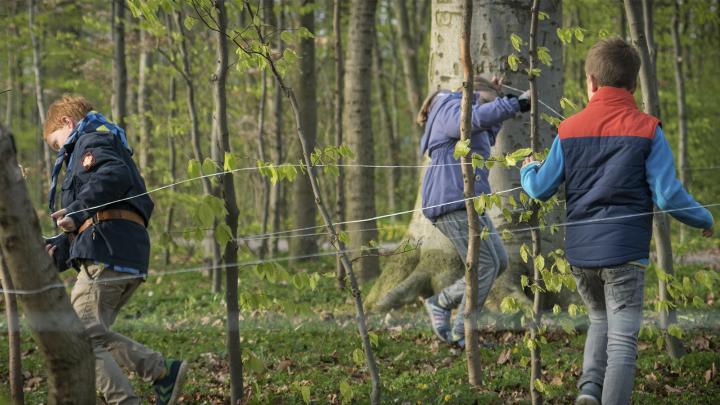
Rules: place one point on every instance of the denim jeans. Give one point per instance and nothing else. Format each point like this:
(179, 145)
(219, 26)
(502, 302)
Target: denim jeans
(614, 300)
(491, 262)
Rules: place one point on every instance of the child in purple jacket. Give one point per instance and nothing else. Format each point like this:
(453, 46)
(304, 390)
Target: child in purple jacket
(442, 190)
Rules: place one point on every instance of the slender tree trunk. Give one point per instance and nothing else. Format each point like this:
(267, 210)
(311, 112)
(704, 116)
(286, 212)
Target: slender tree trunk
(357, 121)
(222, 140)
(143, 107)
(278, 189)
(263, 157)
(44, 155)
(409, 58)
(119, 97)
(535, 359)
(172, 163)
(386, 123)
(14, 340)
(211, 248)
(69, 358)
(681, 105)
(304, 211)
(14, 73)
(661, 224)
(472, 350)
(339, 103)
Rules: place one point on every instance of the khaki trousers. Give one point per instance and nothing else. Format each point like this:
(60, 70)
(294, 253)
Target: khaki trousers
(97, 297)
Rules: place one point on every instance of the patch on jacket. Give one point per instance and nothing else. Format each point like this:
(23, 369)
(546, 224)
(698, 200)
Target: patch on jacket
(88, 160)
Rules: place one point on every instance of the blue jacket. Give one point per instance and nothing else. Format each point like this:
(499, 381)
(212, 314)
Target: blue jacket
(442, 186)
(101, 170)
(615, 162)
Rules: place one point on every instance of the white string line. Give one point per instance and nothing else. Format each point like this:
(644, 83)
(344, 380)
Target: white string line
(539, 101)
(334, 253)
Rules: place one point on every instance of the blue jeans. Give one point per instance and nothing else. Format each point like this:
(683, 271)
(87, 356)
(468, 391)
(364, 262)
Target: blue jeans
(614, 300)
(492, 261)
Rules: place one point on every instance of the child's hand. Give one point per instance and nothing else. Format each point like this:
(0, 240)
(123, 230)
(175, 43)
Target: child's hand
(64, 222)
(528, 160)
(707, 232)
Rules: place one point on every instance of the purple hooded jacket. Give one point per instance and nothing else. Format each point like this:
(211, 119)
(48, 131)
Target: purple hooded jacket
(443, 181)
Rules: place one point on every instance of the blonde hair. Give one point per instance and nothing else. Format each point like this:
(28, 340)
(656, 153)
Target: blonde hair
(75, 107)
(488, 92)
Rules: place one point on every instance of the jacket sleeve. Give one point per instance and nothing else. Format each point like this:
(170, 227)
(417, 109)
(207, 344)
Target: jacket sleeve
(107, 179)
(485, 116)
(667, 191)
(541, 180)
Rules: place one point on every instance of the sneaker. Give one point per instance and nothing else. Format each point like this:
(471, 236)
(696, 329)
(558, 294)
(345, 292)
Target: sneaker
(586, 399)
(167, 389)
(458, 340)
(439, 318)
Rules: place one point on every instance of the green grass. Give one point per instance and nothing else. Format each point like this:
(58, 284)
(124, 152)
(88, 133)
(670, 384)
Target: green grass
(306, 338)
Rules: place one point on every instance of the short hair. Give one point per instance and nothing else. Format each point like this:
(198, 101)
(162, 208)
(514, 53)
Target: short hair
(75, 107)
(613, 62)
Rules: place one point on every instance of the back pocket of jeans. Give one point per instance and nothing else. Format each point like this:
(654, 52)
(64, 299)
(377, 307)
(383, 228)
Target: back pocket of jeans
(625, 284)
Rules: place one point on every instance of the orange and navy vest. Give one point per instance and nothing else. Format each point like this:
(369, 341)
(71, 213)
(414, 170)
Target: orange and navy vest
(605, 147)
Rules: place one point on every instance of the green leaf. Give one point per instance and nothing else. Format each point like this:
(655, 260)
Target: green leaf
(223, 234)
(542, 16)
(544, 56)
(524, 253)
(520, 154)
(462, 148)
(205, 215)
(539, 262)
(229, 162)
(193, 168)
(556, 309)
(305, 392)
(358, 357)
(675, 330)
(346, 392)
(514, 62)
(573, 310)
(343, 237)
(565, 103)
(374, 339)
(509, 305)
(479, 204)
(189, 22)
(287, 36)
(567, 326)
(516, 41)
(524, 281)
(478, 162)
(539, 385)
(208, 166)
(579, 34)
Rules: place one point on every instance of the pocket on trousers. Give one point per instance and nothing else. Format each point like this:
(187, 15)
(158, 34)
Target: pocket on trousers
(625, 284)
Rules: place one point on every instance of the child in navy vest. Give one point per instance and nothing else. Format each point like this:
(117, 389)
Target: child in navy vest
(615, 163)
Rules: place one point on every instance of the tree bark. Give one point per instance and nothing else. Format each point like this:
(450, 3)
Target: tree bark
(277, 196)
(435, 264)
(143, 107)
(56, 328)
(172, 165)
(681, 105)
(357, 120)
(535, 358)
(304, 211)
(263, 157)
(222, 141)
(472, 350)
(119, 97)
(13, 325)
(388, 130)
(661, 225)
(338, 110)
(39, 96)
(409, 58)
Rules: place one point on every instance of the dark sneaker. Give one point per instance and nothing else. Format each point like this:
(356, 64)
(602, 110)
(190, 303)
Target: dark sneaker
(168, 388)
(586, 399)
(457, 339)
(439, 318)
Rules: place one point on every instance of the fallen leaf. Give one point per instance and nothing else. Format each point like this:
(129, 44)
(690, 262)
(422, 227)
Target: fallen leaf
(284, 365)
(504, 356)
(672, 390)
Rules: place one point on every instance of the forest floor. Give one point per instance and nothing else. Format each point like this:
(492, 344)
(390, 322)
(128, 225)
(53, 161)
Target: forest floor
(301, 341)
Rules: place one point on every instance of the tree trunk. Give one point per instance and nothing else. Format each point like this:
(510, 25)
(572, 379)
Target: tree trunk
(13, 325)
(409, 58)
(172, 164)
(304, 211)
(436, 263)
(222, 141)
(472, 350)
(278, 189)
(661, 224)
(119, 96)
(263, 157)
(535, 358)
(39, 96)
(143, 106)
(69, 358)
(681, 106)
(388, 130)
(357, 123)
(338, 110)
